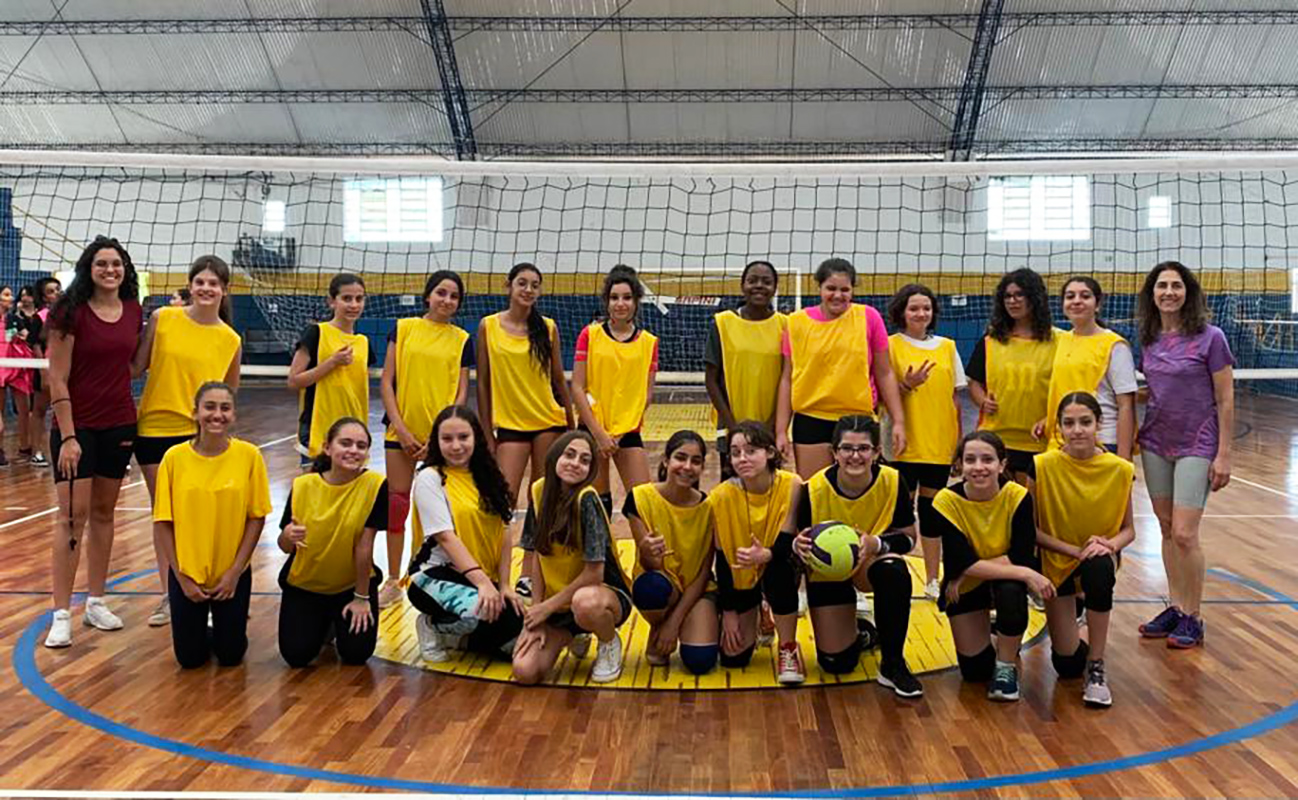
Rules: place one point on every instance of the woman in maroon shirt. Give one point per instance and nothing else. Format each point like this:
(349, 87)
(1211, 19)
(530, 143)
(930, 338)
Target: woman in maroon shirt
(94, 330)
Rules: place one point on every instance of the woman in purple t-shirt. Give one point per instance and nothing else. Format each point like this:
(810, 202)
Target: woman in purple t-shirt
(94, 330)
(1186, 437)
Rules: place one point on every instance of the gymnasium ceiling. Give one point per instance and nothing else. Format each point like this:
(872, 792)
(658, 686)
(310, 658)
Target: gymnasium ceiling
(650, 78)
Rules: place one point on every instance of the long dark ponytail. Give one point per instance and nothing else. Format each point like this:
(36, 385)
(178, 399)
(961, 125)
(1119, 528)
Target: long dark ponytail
(493, 490)
(538, 333)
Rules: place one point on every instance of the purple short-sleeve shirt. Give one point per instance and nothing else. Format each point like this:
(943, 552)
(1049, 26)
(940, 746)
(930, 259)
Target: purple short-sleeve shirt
(1181, 418)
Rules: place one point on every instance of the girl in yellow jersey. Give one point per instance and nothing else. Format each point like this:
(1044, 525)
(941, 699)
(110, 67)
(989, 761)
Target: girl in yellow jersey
(1084, 520)
(426, 369)
(874, 499)
(672, 583)
(183, 348)
(459, 579)
(1093, 359)
(522, 393)
(1009, 371)
(742, 361)
(329, 580)
(613, 373)
(754, 557)
(989, 537)
(330, 367)
(211, 505)
(929, 373)
(577, 584)
(828, 350)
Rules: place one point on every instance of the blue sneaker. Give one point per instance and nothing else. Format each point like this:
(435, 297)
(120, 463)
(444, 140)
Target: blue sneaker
(1161, 627)
(1188, 633)
(1005, 683)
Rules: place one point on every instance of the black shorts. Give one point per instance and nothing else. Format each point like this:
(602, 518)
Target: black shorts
(150, 449)
(827, 593)
(812, 430)
(628, 439)
(977, 599)
(105, 452)
(565, 620)
(508, 435)
(927, 476)
(1021, 461)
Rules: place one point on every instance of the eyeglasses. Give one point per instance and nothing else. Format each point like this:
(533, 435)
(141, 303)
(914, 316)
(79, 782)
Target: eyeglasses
(855, 449)
(1014, 297)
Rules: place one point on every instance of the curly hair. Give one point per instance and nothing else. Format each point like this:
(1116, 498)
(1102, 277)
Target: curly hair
(1001, 324)
(1194, 313)
(62, 317)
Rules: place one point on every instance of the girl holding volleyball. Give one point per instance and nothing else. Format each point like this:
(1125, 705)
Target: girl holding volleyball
(459, 579)
(673, 586)
(211, 504)
(874, 500)
(1083, 500)
(522, 393)
(613, 381)
(577, 584)
(426, 369)
(988, 532)
(329, 580)
(742, 360)
(754, 556)
(1093, 359)
(1009, 371)
(827, 349)
(929, 373)
(183, 348)
(330, 367)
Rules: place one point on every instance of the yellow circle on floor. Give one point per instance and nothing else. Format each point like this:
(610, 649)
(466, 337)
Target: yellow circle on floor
(929, 648)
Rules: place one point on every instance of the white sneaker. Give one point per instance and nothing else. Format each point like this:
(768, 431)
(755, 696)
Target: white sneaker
(608, 661)
(579, 647)
(389, 593)
(60, 634)
(864, 609)
(161, 614)
(932, 590)
(432, 645)
(98, 616)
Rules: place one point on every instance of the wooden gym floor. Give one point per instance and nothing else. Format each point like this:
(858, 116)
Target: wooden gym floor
(114, 712)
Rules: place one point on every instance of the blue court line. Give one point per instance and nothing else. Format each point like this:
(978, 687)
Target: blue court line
(24, 662)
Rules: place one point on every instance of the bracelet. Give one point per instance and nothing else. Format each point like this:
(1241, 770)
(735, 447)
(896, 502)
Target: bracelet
(884, 549)
(65, 439)
(362, 597)
(471, 569)
(60, 400)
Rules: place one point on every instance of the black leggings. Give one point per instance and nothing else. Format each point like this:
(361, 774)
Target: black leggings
(305, 617)
(191, 640)
(890, 581)
(1009, 598)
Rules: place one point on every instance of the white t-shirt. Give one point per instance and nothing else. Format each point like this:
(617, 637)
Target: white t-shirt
(429, 495)
(1120, 378)
(932, 343)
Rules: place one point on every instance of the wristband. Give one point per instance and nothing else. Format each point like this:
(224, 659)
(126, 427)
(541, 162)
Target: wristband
(471, 569)
(362, 597)
(65, 439)
(884, 549)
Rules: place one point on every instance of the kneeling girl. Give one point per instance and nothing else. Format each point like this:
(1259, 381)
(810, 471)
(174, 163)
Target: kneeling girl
(577, 584)
(328, 528)
(459, 579)
(989, 534)
(673, 586)
(1084, 519)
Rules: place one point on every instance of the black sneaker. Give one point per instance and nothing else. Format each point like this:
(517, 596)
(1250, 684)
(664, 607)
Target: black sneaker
(4, 462)
(866, 634)
(899, 678)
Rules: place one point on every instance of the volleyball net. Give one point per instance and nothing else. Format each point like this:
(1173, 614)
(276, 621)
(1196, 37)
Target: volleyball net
(287, 226)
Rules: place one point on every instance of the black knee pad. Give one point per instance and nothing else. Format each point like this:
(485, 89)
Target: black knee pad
(780, 587)
(1011, 599)
(979, 668)
(1098, 577)
(839, 663)
(652, 591)
(738, 660)
(607, 500)
(890, 578)
(927, 516)
(699, 659)
(1071, 666)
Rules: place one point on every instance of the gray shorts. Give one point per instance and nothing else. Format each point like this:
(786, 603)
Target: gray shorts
(1185, 480)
